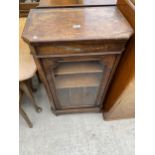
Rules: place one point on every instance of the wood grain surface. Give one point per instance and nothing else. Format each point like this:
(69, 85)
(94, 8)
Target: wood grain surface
(71, 24)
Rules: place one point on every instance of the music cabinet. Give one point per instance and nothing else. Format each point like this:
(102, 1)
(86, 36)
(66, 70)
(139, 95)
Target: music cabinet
(76, 51)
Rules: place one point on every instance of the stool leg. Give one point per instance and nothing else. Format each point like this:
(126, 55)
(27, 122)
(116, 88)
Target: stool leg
(22, 112)
(27, 90)
(34, 83)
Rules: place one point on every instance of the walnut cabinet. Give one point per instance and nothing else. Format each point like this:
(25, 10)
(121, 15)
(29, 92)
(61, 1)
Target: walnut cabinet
(76, 51)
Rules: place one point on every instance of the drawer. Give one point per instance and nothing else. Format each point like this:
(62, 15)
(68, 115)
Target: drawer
(79, 47)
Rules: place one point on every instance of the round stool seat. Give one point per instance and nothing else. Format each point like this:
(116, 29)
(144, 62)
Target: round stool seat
(27, 66)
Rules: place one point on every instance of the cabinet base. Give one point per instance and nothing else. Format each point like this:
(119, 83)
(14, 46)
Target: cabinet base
(80, 110)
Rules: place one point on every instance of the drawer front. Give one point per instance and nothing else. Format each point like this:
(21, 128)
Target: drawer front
(59, 49)
(78, 84)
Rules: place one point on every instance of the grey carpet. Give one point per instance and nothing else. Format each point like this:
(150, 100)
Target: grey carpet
(73, 134)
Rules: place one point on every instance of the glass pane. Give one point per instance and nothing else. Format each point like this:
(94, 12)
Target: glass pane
(77, 83)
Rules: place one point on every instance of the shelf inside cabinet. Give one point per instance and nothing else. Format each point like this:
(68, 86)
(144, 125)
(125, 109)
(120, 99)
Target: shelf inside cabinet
(79, 68)
(78, 80)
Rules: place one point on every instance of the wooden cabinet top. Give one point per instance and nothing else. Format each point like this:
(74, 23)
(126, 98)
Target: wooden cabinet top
(64, 3)
(74, 24)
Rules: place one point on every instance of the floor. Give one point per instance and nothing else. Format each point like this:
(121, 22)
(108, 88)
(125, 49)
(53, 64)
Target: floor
(73, 134)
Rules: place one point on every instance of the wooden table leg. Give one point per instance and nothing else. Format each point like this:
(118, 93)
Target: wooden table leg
(27, 90)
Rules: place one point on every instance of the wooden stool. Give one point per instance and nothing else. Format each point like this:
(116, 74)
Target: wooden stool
(27, 69)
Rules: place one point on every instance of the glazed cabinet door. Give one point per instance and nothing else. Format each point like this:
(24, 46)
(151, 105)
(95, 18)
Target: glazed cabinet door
(78, 83)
